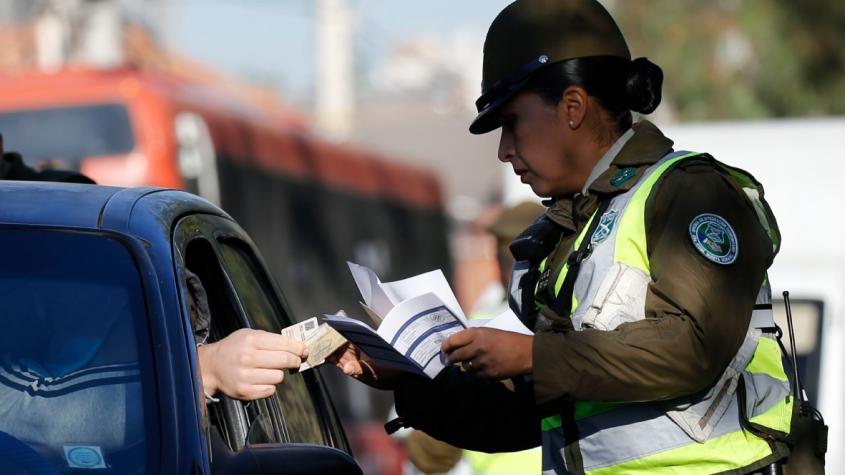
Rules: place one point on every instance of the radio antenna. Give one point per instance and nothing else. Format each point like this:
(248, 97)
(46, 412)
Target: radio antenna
(796, 387)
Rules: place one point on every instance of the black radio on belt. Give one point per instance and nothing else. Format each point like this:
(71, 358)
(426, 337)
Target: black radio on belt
(533, 245)
(536, 242)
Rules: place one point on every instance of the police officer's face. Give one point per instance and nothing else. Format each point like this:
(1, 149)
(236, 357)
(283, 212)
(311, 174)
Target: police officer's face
(537, 142)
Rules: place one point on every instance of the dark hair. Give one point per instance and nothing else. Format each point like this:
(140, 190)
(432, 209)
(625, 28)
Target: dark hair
(620, 86)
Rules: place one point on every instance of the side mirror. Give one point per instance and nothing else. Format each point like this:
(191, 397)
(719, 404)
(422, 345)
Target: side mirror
(283, 459)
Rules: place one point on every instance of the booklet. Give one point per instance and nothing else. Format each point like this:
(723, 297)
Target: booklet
(413, 317)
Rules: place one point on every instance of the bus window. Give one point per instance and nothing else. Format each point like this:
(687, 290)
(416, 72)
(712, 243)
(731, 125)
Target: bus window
(807, 322)
(61, 137)
(196, 157)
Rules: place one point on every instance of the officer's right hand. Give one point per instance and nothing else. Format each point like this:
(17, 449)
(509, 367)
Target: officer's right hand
(353, 362)
(480, 350)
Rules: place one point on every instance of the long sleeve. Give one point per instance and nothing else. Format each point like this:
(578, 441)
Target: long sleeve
(470, 412)
(697, 311)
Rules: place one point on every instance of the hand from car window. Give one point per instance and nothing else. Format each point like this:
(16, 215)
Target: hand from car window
(353, 362)
(248, 363)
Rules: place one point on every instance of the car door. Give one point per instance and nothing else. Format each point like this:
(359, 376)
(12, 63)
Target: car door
(241, 294)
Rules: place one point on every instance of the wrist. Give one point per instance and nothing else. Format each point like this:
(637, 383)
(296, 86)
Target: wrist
(528, 360)
(205, 358)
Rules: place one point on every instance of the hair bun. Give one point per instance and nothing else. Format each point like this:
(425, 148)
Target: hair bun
(643, 86)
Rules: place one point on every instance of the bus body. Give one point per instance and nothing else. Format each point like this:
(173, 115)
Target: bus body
(309, 204)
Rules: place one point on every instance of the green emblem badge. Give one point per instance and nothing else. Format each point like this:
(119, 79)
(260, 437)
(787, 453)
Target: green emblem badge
(623, 175)
(714, 238)
(603, 230)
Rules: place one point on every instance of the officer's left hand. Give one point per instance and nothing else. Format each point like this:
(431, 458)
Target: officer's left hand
(495, 354)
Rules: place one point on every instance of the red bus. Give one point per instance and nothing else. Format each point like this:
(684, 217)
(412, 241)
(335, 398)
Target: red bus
(310, 205)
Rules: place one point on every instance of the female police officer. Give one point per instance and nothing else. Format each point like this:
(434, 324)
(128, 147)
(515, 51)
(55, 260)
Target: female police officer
(645, 280)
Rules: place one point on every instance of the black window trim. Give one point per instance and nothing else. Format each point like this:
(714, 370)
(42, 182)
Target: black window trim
(316, 385)
(180, 246)
(221, 228)
(238, 411)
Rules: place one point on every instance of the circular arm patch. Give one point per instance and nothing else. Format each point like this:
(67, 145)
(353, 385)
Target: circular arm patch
(714, 238)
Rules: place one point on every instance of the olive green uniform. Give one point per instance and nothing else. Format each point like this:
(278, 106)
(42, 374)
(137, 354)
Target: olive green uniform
(697, 314)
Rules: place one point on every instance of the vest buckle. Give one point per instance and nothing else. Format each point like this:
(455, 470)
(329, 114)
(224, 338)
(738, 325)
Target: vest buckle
(580, 255)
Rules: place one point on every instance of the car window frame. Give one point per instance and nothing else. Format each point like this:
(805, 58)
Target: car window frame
(333, 432)
(214, 229)
(239, 257)
(233, 413)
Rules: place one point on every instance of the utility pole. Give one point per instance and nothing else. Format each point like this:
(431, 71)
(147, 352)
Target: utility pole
(335, 91)
(100, 30)
(88, 32)
(53, 35)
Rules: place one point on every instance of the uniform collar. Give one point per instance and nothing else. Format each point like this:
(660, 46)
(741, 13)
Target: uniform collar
(606, 160)
(644, 148)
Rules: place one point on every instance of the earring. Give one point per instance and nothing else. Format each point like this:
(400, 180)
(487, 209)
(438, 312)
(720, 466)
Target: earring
(571, 124)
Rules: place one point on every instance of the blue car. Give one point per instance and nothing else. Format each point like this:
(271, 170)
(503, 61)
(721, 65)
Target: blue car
(98, 362)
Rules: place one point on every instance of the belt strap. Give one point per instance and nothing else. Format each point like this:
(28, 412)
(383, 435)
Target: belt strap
(562, 303)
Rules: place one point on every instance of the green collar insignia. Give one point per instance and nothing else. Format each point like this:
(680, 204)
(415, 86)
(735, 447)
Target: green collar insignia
(623, 175)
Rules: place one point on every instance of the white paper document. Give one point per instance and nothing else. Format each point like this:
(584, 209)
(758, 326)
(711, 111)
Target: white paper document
(506, 320)
(381, 297)
(413, 317)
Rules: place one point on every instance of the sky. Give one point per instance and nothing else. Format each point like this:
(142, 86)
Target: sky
(273, 41)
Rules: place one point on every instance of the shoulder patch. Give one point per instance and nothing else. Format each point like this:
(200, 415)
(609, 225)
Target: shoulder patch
(714, 238)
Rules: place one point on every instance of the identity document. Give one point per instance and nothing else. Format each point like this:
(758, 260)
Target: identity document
(413, 317)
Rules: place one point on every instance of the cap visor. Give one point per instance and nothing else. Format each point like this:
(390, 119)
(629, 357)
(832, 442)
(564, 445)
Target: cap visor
(486, 121)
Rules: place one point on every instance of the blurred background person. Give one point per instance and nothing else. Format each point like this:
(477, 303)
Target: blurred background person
(12, 167)
(508, 224)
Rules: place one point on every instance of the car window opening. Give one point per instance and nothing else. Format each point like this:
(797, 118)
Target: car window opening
(239, 423)
(296, 396)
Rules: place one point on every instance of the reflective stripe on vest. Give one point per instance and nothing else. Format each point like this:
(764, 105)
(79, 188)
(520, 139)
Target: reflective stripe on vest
(692, 435)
